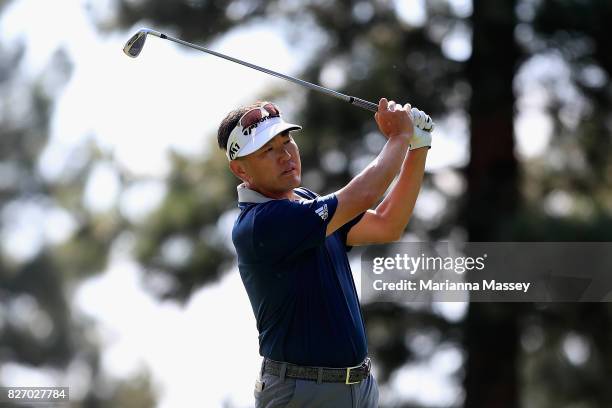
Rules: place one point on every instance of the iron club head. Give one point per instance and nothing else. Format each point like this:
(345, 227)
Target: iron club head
(134, 45)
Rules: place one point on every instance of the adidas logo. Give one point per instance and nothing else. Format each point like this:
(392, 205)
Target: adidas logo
(322, 212)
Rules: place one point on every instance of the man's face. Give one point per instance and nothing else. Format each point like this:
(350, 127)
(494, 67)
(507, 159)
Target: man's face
(276, 167)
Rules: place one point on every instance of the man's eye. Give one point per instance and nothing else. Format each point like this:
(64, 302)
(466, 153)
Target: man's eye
(269, 149)
(288, 141)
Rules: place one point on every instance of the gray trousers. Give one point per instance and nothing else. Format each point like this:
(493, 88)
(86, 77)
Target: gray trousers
(276, 392)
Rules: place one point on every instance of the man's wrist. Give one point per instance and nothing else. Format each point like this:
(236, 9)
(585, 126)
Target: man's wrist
(402, 135)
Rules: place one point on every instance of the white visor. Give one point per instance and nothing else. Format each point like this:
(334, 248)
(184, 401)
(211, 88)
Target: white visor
(244, 141)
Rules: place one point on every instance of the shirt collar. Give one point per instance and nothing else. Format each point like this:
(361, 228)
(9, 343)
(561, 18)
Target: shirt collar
(246, 195)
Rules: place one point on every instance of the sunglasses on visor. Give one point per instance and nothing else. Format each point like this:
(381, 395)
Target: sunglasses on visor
(257, 115)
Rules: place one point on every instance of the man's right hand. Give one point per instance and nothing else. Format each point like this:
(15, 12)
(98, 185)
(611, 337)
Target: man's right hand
(394, 119)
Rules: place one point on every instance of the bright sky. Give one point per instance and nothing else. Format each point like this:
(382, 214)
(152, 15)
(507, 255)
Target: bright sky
(137, 109)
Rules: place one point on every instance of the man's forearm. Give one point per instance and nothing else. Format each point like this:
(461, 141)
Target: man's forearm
(397, 206)
(365, 189)
(374, 180)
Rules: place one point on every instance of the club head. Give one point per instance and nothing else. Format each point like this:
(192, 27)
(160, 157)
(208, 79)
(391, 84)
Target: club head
(134, 45)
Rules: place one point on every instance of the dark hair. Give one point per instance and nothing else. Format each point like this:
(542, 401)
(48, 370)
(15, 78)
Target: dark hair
(231, 120)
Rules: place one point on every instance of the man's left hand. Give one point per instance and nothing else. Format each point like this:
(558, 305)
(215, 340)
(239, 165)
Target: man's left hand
(423, 126)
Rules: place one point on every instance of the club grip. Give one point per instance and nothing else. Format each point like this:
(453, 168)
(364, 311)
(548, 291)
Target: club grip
(363, 104)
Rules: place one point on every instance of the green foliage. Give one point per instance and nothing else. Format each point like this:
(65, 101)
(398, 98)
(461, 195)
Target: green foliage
(37, 326)
(199, 192)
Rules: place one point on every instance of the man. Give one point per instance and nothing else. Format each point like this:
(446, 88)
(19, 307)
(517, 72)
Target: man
(292, 244)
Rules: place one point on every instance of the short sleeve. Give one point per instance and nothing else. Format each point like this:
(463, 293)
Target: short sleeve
(284, 228)
(344, 230)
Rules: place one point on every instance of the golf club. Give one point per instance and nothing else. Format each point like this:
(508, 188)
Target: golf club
(135, 44)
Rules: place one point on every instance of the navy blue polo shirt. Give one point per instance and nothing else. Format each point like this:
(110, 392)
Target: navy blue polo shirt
(298, 280)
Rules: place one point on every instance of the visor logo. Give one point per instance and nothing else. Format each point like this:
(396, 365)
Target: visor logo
(233, 150)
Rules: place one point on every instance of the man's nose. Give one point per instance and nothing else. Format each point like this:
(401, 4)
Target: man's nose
(284, 154)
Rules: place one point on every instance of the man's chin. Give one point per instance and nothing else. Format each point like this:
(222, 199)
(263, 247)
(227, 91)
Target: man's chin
(293, 182)
(296, 181)
(288, 182)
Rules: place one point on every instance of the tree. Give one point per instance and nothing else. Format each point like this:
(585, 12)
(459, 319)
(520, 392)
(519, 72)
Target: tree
(491, 330)
(37, 326)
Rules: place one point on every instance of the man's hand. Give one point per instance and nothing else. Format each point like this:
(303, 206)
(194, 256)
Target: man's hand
(393, 119)
(423, 126)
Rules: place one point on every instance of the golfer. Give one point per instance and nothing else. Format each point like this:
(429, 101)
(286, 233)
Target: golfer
(292, 249)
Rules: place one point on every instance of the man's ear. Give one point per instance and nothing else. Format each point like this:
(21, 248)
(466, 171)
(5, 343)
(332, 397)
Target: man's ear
(239, 169)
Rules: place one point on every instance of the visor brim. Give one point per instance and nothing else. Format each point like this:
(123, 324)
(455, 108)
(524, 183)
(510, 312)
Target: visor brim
(265, 136)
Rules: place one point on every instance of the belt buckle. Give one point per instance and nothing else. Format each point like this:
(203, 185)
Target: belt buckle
(348, 374)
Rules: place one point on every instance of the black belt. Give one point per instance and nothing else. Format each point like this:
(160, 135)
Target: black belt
(349, 375)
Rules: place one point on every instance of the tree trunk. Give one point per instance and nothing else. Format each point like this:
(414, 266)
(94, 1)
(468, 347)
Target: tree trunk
(491, 330)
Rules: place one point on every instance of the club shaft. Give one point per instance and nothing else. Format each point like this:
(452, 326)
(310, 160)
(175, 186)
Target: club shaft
(347, 98)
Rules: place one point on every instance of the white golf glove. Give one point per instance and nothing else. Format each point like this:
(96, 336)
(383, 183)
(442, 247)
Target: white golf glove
(423, 126)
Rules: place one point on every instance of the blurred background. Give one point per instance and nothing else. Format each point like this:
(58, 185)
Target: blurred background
(117, 273)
